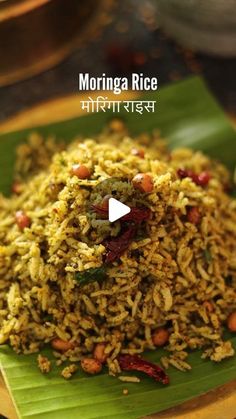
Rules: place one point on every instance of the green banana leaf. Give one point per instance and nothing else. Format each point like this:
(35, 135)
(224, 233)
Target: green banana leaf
(188, 116)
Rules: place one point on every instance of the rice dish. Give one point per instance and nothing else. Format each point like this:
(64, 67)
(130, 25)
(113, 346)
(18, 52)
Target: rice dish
(69, 277)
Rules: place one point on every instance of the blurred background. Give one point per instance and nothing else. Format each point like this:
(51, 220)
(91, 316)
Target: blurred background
(44, 44)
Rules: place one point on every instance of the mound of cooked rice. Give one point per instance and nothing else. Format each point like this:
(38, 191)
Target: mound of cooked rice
(178, 272)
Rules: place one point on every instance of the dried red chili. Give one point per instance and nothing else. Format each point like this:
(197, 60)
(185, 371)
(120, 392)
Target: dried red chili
(117, 246)
(200, 179)
(137, 215)
(134, 363)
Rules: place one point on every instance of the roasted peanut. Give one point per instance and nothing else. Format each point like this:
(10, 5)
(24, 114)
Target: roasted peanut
(91, 365)
(231, 322)
(99, 352)
(143, 182)
(203, 178)
(81, 171)
(16, 188)
(139, 152)
(22, 220)
(61, 345)
(160, 336)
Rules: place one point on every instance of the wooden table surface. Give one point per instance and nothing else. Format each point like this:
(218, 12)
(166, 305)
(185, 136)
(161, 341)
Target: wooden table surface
(216, 404)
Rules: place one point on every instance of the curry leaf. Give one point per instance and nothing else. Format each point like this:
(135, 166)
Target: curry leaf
(207, 255)
(91, 275)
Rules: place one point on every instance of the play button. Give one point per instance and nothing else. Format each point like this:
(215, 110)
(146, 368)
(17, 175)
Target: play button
(116, 210)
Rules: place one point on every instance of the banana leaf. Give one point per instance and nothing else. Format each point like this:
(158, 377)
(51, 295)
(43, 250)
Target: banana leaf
(188, 116)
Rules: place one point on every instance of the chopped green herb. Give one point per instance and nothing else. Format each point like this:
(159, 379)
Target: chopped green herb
(207, 255)
(91, 275)
(48, 318)
(62, 161)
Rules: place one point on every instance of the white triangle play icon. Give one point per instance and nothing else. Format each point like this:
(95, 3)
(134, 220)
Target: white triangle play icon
(116, 210)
